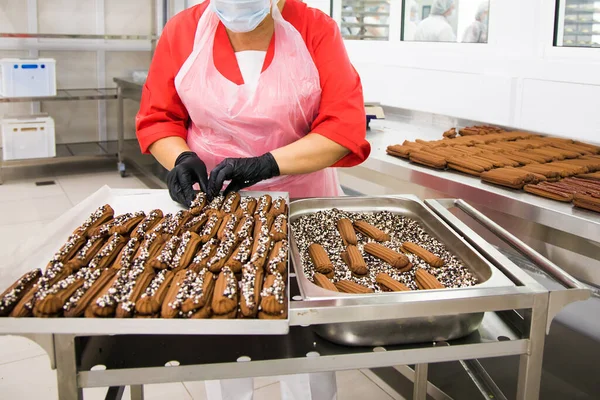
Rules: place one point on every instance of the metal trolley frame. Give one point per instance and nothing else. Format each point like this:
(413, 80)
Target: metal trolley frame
(516, 322)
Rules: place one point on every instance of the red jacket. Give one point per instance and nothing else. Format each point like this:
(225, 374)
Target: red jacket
(341, 115)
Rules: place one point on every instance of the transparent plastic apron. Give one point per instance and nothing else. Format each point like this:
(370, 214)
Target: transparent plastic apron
(229, 120)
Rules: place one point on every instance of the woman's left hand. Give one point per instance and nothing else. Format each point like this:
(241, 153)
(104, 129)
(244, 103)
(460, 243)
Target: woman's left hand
(243, 173)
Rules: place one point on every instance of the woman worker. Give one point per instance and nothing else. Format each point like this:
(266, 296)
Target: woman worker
(262, 95)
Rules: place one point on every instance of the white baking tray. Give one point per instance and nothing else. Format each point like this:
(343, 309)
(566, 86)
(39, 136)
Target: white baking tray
(36, 250)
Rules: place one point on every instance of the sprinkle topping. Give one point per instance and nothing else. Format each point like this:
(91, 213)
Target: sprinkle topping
(107, 250)
(281, 256)
(199, 201)
(245, 204)
(277, 289)
(12, 296)
(196, 220)
(244, 250)
(147, 222)
(155, 284)
(210, 225)
(231, 284)
(66, 248)
(216, 203)
(223, 251)
(245, 229)
(205, 252)
(185, 241)
(94, 217)
(166, 254)
(196, 289)
(248, 284)
(184, 289)
(228, 203)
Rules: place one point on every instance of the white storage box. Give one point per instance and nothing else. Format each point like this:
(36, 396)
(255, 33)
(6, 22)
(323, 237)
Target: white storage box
(27, 77)
(28, 137)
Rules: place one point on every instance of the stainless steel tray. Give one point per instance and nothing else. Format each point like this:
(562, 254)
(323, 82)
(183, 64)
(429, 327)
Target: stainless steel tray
(406, 330)
(41, 249)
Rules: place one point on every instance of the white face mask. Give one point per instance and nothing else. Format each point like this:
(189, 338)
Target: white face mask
(241, 15)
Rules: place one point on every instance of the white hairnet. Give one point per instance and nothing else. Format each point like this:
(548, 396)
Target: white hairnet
(482, 9)
(440, 7)
(414, 7)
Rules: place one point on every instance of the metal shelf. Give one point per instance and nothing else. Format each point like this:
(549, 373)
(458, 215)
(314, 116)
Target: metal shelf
(72, 151)
(579, 33)
(364, 14)
(68, 94)
(75, 36)
(594, 45)
(365, 37)
(577, 11)
(360, 25)
(351, 3)
(574, 21)
(84, 42)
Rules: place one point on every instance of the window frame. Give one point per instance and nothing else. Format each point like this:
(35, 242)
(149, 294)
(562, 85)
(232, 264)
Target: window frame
(549, 28)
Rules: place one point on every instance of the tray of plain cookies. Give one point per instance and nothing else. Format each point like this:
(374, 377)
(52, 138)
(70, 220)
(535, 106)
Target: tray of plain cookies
(142, 264)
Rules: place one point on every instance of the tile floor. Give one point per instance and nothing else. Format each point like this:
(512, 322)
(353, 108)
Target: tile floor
(24, 367)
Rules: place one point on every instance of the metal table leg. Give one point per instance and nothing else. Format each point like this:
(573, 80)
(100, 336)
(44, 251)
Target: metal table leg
(120, 131)
(46, 342)
(137, 392)
(484, 382)
(432, 391)
(66, 368)
(420, 390)
(115, 393)
(530, 366)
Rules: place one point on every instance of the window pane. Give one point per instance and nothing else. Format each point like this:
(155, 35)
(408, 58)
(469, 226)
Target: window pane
(464, 21)
(578, 23)
(365, 19)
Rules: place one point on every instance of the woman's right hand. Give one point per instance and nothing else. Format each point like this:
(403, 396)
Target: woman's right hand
(189, 169)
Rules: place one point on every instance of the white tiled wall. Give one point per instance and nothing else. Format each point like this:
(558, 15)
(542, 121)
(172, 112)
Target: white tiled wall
(77, 121)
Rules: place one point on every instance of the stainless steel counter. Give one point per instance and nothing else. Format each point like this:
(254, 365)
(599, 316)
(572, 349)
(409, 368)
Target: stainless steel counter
(567, 236)
(561, 216)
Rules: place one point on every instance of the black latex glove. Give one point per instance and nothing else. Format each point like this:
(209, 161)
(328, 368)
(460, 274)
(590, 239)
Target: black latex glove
(243, 172)
(189, 169)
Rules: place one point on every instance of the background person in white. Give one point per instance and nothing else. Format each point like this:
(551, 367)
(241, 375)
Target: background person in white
(477, 32)
(410, 21)
(436, 28)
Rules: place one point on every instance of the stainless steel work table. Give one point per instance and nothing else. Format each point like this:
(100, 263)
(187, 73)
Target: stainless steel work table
(554, 214)
(568, 236)
(174, 358)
